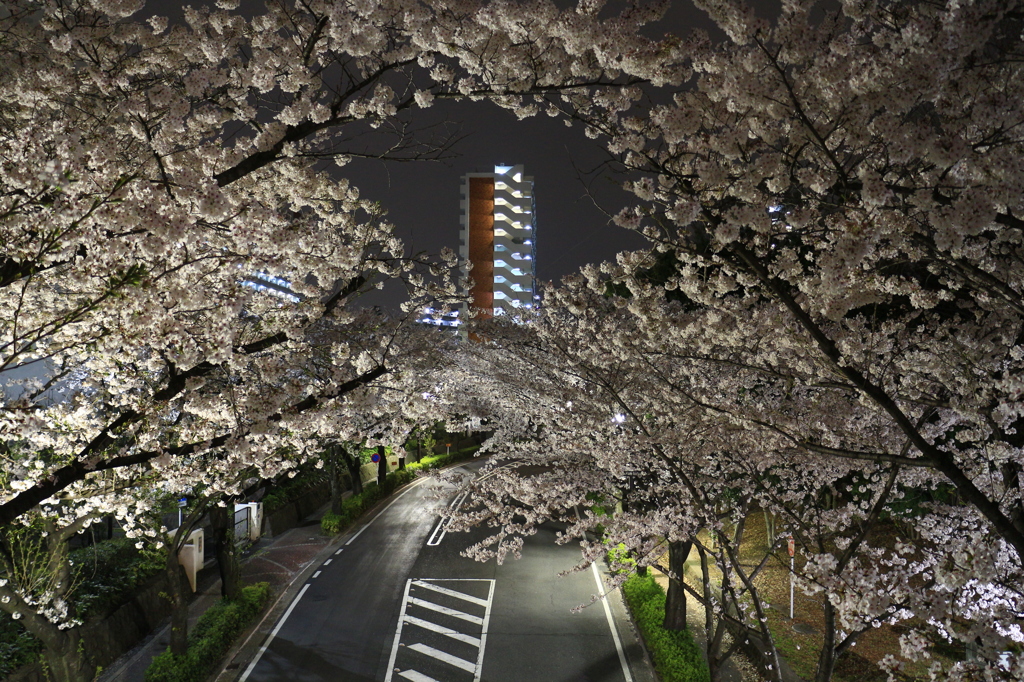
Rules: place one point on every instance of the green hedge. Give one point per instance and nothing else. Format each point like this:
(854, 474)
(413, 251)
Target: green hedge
(677, 658)
(353, 507)
(211, 638)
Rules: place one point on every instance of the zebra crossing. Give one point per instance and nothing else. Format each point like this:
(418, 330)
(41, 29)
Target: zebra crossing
(442, 631)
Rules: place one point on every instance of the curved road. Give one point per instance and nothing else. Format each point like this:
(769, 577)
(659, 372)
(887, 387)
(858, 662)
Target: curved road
(395, 602)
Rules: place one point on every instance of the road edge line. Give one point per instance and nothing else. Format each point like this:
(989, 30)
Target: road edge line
(611, 625)
(273, 634)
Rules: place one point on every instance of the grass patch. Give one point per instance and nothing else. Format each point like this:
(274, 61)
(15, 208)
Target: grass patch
(676, 656)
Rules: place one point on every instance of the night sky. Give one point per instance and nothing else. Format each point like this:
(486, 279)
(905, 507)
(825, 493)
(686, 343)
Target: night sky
(422, 197)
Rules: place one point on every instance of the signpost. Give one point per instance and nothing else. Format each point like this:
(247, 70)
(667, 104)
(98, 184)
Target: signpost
(791, 546)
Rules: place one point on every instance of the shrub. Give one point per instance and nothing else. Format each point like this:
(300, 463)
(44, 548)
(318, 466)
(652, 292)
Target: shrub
(331, 524)
(17, 646)
(676, 656)
(211, 637)
(109, 573)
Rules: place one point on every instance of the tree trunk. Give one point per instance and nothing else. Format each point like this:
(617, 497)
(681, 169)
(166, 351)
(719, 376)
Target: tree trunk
(353, 463)
(335, 475)
(827, 657)
(382, 466)
(675, 602)
(223, 537)
(178, 580)
(65, 658)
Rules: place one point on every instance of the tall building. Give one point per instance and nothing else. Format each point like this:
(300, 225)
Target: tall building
(497, 238)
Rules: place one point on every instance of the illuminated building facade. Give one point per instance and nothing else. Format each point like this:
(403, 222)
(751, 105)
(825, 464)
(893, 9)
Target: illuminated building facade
(498, 239)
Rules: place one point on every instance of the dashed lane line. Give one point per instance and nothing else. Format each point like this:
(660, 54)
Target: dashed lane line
(381, 512)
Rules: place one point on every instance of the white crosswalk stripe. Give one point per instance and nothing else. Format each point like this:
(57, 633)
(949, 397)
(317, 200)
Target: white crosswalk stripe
(442, 656)
(416, 677)
(435, 641)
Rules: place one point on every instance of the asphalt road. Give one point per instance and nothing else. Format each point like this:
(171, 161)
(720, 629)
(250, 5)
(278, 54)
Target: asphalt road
(395, 602)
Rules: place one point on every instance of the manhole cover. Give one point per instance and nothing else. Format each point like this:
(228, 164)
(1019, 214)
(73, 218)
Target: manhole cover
(803, 629)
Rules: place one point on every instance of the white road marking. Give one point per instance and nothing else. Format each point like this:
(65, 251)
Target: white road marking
(442, 526)
(445, 610)
(427, 625)
(404, 618)
(328, 562)
(273, 634)
(317, 574)
(451, 593)
(611, 626)
(468, 666)
(398, 632)
(338, 552)
(483, 635)
(415, 676)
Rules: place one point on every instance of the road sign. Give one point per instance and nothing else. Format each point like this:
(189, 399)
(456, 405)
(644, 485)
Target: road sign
(375, 457)
(792, 547)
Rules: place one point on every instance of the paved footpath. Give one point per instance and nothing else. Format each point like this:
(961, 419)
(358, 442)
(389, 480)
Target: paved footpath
(276, 560)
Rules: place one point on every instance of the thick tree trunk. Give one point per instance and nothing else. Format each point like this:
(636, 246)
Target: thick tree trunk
(180, 589)
(334, 472)
(382, 465)
(65, 657)
(675, 602)
(353, 464)
(223, 537)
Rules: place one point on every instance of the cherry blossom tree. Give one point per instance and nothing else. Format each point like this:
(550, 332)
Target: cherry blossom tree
(837, 194)
(182, 248)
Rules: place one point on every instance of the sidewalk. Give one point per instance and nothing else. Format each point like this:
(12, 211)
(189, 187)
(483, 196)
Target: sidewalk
(276, 560)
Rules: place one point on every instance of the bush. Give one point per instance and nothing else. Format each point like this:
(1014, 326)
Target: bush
(676, 656)
(332, 524)
(211, 638)
(17, 646)
(109, 573)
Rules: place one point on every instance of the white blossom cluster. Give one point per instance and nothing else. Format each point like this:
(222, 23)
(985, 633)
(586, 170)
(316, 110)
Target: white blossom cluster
(828, 326)
(148, 171)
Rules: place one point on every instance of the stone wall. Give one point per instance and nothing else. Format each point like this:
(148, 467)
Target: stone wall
(288, 516)
(107, 639)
